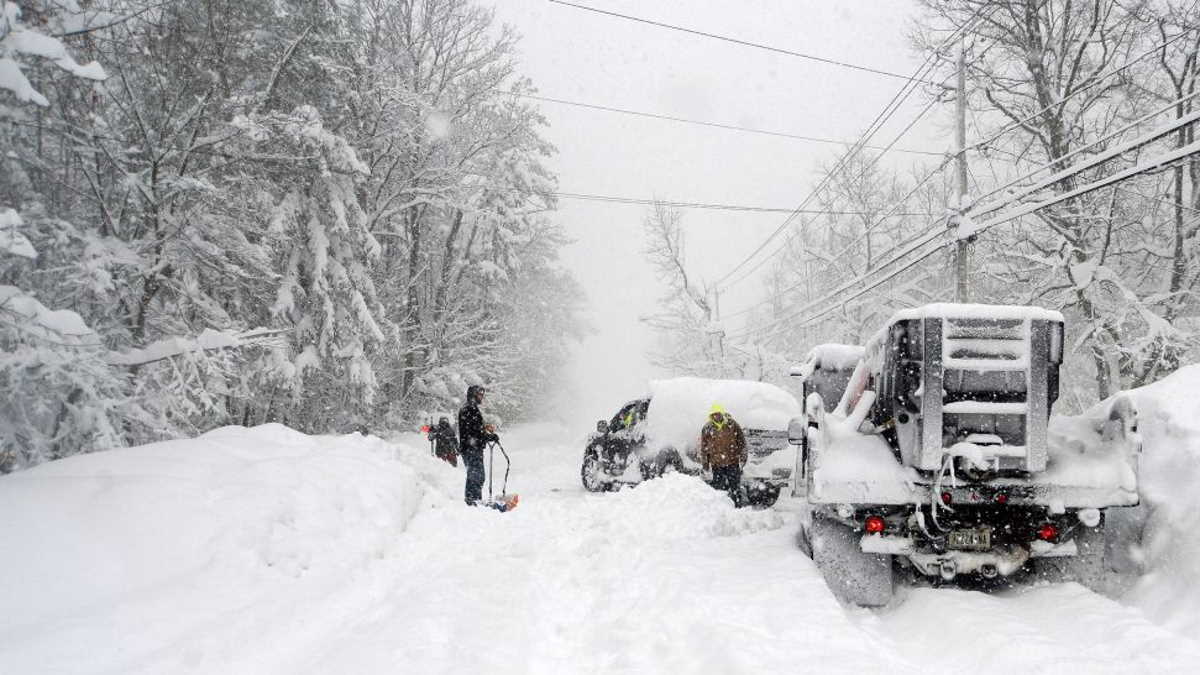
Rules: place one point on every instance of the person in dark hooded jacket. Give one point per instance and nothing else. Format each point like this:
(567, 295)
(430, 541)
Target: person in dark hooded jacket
(473, 437)
(445, 442)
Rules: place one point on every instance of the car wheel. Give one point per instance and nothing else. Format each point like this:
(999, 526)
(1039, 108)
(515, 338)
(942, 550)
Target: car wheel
(669, 461)
(591, 473)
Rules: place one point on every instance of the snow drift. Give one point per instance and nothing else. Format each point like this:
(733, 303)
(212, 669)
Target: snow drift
(1169, 478)
(266, 550)
(117, 557)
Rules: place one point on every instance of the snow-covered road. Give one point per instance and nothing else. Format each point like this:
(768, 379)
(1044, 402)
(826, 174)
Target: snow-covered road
(667, 577)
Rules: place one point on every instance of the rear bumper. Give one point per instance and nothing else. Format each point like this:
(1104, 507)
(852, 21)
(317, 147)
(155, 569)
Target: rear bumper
(1001, 561)
(1016, 492)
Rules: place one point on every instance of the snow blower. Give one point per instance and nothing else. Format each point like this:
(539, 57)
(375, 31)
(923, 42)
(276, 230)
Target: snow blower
(504, 501)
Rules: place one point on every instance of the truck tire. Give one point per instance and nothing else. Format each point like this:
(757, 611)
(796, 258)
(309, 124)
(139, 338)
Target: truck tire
(854, 577)
(803, 541)
(1089, 569)
(591, 471)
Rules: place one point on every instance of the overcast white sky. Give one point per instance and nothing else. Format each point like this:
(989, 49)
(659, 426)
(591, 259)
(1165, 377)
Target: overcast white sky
(583, 56)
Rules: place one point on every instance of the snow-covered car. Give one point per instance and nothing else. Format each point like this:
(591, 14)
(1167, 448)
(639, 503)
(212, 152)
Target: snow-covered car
(940, 457)
(661, 432)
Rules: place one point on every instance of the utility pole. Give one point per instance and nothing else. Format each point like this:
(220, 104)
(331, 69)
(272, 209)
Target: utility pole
(960, 251)
(717, 329)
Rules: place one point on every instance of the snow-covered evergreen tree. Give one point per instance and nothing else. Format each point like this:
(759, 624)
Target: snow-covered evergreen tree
(325, 214)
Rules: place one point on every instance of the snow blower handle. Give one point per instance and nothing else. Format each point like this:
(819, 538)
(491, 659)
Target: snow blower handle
(492, 461)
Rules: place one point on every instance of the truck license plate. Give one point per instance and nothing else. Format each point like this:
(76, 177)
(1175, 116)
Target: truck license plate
(971, 540)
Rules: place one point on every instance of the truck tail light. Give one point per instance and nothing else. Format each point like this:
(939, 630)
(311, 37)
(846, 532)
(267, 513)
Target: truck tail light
(1047, 532)
(874, 525)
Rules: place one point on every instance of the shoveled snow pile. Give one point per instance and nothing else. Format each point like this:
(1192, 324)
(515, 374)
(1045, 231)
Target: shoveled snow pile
(679, 408)
(1169, 480)
(165, 556)
(674, 507)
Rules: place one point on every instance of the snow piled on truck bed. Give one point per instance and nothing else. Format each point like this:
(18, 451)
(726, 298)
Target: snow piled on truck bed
(1088, 450)
(679, 408)
(829, 356)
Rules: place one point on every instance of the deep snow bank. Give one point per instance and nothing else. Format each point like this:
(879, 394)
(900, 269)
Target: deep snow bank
(1169, 480)
(108, 558)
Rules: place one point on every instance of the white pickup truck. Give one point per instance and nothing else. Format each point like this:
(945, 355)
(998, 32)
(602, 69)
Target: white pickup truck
(940, 458)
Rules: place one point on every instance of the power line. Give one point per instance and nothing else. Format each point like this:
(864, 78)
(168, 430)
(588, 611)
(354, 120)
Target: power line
(1089, 163)
(1097, 80)
(737, 41)
(638, 201)
(1017, 211)
(882, 218)
(1059, 160)
(616, 199)
(931, 234)
(1146, 167)
(875, 284)
(884, 115)
(912, 244)
(1100, 78)
(715, 125)
(1163, 200)
(842, 163)
(890, 212)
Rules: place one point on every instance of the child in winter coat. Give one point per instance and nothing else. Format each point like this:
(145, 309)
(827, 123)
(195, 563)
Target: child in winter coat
(445, 441)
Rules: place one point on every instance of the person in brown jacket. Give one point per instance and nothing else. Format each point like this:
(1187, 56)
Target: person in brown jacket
(723, 452)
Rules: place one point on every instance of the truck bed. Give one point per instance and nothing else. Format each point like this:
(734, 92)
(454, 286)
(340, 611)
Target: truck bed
(862, 468)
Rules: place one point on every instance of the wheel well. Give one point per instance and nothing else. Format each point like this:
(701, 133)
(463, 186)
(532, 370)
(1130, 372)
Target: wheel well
(669, 454)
